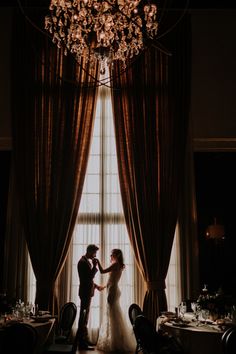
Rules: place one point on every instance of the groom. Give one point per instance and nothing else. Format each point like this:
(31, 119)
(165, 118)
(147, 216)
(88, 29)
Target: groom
(87, 268)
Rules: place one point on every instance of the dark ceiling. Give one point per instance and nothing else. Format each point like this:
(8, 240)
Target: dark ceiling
(174, 4)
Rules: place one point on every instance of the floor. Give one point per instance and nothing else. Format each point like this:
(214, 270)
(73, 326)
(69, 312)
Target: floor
(94, 352)
(89, 352)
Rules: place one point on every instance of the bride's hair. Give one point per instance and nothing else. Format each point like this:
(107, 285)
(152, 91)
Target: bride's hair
(119, 256)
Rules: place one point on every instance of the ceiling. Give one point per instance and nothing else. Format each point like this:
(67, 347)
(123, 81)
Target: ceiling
(192, 4)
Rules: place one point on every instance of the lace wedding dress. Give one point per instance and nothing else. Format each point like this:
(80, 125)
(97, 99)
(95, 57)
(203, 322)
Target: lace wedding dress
(115, 334)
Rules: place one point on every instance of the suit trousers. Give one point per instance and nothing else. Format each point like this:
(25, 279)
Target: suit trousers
(83, 319)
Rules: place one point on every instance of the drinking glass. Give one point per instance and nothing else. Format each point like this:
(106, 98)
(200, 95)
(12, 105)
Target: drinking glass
(183, 308)
(205, 314)
(196, 309)
(28, 309)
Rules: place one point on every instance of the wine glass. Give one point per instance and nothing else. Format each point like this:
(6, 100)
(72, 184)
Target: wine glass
(183, 308)
(28, 309)
(205, 314)
(196, 309)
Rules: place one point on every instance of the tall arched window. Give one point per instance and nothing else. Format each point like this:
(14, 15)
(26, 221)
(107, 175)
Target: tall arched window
(100, 218)
(101, 221)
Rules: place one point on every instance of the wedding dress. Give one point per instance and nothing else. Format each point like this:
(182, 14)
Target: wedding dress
(115, 334)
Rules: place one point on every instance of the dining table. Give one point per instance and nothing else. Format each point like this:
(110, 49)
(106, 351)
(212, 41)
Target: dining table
(44, 326)
(195, 337)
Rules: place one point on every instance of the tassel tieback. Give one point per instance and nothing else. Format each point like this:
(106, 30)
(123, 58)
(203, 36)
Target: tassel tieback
(156, 285)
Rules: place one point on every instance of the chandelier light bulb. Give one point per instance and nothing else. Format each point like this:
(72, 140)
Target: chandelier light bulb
(102, 30)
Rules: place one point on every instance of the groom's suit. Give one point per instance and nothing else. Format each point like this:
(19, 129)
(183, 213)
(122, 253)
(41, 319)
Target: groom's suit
(87, 286)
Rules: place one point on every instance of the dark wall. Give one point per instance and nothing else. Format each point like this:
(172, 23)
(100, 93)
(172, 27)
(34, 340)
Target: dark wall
(215, 174)
(5, 161)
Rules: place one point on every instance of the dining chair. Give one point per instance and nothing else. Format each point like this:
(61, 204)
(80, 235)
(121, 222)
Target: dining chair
(154, 342)
(134, 311)
(146, 336)
(66, 320)
(19, 338)
(228, 340)
(66, 348)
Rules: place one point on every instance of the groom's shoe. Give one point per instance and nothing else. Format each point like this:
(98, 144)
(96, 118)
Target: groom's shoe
(85, 346)
(90, 343)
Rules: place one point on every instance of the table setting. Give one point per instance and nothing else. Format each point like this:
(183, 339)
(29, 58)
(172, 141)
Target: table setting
(200, 324)
(25, 312)
(190, 322)
(42, 321)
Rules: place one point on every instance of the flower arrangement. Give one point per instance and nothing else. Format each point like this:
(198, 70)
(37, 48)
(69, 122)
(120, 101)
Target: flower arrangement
(218, 304)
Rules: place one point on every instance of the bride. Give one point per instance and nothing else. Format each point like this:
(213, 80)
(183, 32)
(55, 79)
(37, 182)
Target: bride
(114, 334)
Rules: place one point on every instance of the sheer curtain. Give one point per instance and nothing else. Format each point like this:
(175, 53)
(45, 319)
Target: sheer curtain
(173, 279)
(100, 218)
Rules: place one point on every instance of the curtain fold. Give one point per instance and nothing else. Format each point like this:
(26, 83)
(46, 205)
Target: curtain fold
(151, 109)
(188, 229)
(52, 119)
(15, 251)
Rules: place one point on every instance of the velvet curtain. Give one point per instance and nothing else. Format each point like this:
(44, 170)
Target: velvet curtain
(188, 229)
(15, 251)
(52, 119)
(151, 102)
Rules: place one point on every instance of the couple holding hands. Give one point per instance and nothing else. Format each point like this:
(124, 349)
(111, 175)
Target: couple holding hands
(114, 333)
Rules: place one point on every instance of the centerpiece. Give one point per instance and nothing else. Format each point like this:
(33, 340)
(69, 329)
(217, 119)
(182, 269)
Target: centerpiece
(218, 304)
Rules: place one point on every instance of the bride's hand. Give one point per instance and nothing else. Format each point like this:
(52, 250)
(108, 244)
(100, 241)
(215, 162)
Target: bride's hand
(95, 261)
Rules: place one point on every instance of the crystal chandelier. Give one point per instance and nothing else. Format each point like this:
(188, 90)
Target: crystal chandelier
(101, 30)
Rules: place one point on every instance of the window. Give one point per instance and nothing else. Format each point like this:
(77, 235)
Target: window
(173, 280)
(101, 221)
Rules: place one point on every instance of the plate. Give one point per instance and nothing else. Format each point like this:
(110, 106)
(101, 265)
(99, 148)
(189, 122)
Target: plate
(168, 313)
(179, 324)
(41, 319)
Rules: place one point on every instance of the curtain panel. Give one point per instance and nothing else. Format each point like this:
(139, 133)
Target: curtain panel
(52, 118)
(15, 259)
(151, 102)
(188, 228)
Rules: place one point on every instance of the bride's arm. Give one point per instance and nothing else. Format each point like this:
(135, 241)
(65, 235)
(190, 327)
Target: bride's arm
(106, 270)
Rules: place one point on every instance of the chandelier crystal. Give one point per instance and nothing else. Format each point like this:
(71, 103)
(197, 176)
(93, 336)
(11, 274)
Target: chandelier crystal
(101, 30)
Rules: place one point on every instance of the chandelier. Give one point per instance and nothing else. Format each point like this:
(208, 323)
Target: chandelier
(101, 30)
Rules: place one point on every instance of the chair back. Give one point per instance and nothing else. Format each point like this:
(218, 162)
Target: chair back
(66, 319)
(19, 338)
(66, 348)
(134, 311)
(146, 336)
(152, 342)
(229, 341)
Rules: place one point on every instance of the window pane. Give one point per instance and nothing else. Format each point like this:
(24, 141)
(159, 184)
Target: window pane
(89, 203)
(97, 125)
(112, 203)
(85, 234)
(93, 164)
(111, 164)
(93, 183)
(95, 147)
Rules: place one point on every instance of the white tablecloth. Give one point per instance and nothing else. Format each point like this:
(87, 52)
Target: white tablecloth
(203, 339)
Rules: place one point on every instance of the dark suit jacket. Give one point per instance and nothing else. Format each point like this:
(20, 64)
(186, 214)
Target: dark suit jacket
(86, 274)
